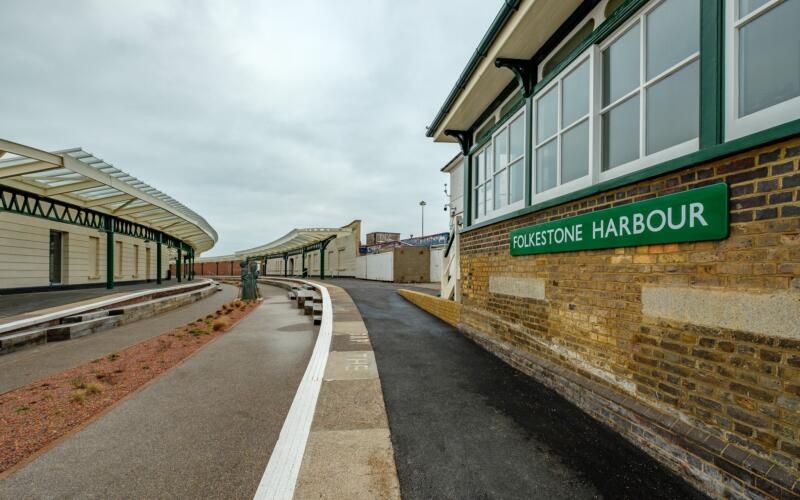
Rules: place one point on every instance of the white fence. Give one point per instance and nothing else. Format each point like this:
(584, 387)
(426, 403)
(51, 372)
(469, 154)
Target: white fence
(437, 254)
(376, 266)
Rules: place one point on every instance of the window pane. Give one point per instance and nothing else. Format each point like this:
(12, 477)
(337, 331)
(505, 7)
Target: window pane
(673, 34)
(621, 66)
(501, 150)
(575, 100)
(546, 166)
(517, 137)
(575, 153)
(748, 6)
(477, 176)
(673, 109)
(621, 133)
(480, 201)
(517, 181)
(769, 66)
(547, 115)
(488, 161)
(500, 186)
(489, 204)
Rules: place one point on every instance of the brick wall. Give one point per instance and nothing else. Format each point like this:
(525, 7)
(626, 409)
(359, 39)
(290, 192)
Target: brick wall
(446, 310)
(731, 371)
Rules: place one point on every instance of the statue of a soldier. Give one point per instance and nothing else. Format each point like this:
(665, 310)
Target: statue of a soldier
(249, 290)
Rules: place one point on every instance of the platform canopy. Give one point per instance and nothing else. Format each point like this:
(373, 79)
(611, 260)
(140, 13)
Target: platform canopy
(78, 178)
(294, 242)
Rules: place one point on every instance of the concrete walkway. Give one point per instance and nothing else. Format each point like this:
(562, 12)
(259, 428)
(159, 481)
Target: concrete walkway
(205, 429)
(31, 364)
(466, 425)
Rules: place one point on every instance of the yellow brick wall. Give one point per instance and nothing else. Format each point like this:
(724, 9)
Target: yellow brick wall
(446, 310)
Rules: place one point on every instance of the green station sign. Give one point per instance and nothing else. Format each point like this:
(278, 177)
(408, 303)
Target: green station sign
(694, 215)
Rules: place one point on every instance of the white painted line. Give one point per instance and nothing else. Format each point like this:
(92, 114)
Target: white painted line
(21, 323)
(280, 477)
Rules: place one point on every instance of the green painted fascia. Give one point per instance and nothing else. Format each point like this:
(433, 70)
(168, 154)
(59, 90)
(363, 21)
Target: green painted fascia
(500, 20)
(708, 154)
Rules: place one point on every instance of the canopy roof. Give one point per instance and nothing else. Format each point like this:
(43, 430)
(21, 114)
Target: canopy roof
(296, 239)
(77, 177)
(520, 29)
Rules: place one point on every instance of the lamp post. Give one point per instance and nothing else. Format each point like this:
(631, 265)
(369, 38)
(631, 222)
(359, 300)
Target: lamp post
(422, 209)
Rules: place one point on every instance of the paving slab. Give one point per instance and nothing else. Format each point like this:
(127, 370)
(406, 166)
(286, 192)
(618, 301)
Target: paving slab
(353, 365)
(349, 405)
(350, 343)
(205, 429)
(348, 464)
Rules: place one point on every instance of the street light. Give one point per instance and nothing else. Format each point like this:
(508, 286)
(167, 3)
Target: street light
(422, 209)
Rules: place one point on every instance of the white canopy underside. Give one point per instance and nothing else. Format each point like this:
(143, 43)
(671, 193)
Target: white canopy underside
(79, 178)
(294, 240)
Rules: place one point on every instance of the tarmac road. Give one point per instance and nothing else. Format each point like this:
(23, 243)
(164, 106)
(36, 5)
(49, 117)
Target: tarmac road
(205, 429)
(466, 425)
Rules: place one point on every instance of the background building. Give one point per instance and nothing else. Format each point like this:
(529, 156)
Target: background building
(381, 237)
(599, 113)
(69, 219)
(332, 251)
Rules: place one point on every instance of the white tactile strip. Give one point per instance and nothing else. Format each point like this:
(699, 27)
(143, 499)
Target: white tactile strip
(280, 477)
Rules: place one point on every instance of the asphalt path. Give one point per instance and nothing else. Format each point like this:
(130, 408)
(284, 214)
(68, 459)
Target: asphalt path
(33, 363)
(466, 425)
(205, 429)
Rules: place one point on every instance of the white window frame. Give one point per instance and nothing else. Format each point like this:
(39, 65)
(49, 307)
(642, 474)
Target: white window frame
(591, 175)
(777, 114)
(510, 207)
(644, 159)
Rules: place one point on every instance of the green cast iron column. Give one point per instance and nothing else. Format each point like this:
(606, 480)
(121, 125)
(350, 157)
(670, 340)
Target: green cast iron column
(178, 263)
(322, 262)
(303, 264)
(158, 259)
(109, 223)
(285, 265)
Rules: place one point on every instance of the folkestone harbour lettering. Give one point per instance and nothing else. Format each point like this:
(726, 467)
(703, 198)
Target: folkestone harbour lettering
(694, 215)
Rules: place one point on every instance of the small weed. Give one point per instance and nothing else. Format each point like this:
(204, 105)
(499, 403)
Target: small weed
(97, 360)
(22, 409)
(209, 316)
(78, 383)
(145, 366)
(196, 332)
(220, 324)
(219, 311)
(78, 396)
(93, 389)
(101, 376)
(113, 356)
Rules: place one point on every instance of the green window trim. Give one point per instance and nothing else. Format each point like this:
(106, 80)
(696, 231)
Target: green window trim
(704, 155)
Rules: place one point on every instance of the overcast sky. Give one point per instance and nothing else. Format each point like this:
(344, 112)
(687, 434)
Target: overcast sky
(260, 115)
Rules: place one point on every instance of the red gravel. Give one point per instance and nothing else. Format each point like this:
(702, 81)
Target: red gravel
(39, 413)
